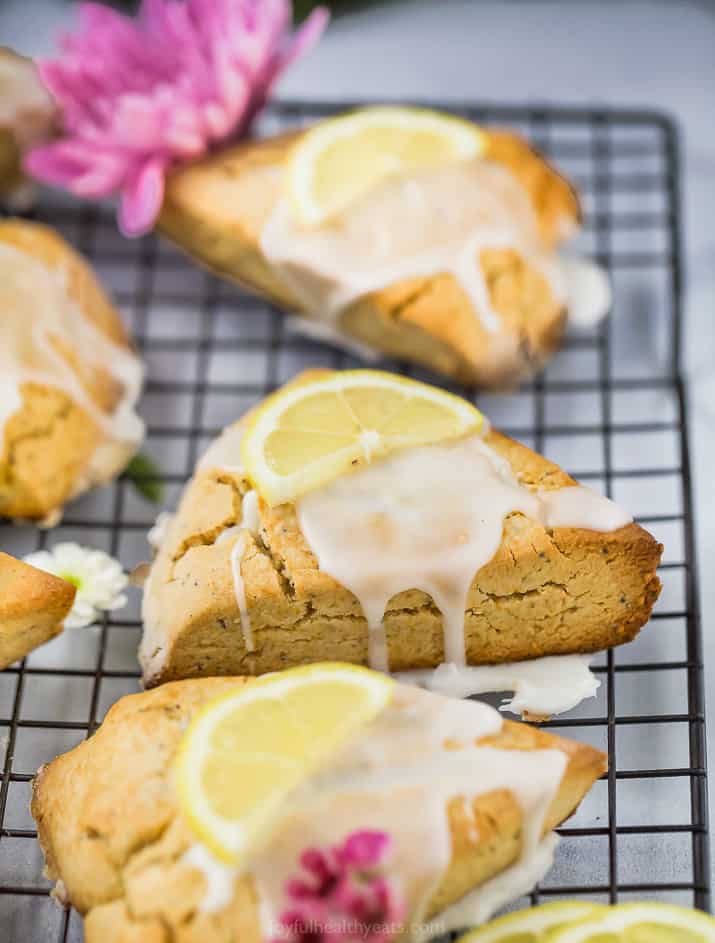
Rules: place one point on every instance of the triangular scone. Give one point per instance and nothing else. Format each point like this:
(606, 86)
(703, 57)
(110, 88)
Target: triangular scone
(33, 605)
(67, 419)
(546, 591)
(217, 208)
(116, 843)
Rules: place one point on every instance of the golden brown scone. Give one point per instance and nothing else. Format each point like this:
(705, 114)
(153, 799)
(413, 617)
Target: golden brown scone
(33, 605)
(114, 838)
(545, 592)
(216, 210)
(50, 446)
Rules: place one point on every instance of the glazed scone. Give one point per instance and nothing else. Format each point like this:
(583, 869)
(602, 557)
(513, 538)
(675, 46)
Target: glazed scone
(69, 378)
(116, 842)
(33, 605)
(547, 590)
(225, 210)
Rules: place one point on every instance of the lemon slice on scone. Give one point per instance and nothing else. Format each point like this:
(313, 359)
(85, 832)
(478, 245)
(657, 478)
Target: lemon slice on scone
(341, 159)
(645, 922)
(535, 924)
(245, 752)
(308, 434)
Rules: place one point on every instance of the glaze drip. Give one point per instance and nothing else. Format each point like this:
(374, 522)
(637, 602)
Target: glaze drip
(542, 687)
(250, 522)
(430, 518)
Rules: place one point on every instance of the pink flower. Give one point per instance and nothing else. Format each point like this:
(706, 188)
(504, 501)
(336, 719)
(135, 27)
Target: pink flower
(343, 894)
(138, 96)
(363, 849)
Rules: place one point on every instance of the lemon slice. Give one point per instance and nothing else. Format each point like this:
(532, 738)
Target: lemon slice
(641, 923)
(306, 435)
(341, 159)
(534, 925)
(247, 750)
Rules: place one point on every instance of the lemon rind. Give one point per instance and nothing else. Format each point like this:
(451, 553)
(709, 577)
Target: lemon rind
(622, 916)
(469, 139)
(534, 920)
(229, 842)
(278, 489)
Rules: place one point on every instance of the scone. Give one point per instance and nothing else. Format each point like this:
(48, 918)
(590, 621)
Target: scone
(33, 605)
(122, 852)
(454, 268)
(27, 117)
(499, 557)
(69, 378)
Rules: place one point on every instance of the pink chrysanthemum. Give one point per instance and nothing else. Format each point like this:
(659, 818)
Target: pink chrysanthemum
(343, 895)
(138, 96)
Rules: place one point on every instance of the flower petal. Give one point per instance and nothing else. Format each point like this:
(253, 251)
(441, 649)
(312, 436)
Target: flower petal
(138, 123)
(47, 164)
(112, 605)
(142, 197)
(364, 849)
(99, 578)
(140, 94)
(306, 37)
(82, 614)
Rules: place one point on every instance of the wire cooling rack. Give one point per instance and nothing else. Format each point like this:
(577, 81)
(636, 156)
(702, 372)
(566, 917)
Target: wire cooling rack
(610, 407)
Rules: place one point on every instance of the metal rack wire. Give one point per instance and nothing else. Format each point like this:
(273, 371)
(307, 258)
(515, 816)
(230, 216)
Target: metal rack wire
(610, 407)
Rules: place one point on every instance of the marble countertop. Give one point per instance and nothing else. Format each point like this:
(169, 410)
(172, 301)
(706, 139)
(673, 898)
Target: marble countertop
(650, 54)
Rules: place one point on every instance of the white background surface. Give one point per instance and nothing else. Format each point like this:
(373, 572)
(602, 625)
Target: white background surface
(658, 55)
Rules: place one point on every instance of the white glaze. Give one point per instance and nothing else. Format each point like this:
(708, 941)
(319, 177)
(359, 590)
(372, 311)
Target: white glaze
(224, 452)
(417, 520)
(327, 332)
(239, 548)
(430, 223)
(39, 315)
(250, 517)
(156, 534)
(483, 902)
(430, 518)
(543, 687)
(218, 877)
(588, 289)
(581, 507)
(398, 775)
(250, 522)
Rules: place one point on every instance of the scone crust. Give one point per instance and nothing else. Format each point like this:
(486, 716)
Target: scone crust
(33, 605)
(112, 834)
(216, 210)
(545, 592)
(24, 126)
(49, 441)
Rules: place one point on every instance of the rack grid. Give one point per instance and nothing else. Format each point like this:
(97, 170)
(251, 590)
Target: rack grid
(611, 407)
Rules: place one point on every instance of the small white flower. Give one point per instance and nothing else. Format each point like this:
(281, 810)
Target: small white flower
(99, 579)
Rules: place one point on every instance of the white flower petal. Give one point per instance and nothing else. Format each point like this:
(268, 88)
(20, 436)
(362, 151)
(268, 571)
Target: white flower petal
(118, 603)
(100, 579)
(80, 616)
(42, 560)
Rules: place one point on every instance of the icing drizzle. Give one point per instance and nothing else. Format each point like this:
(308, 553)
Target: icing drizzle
(429, 223)
(430, 518)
